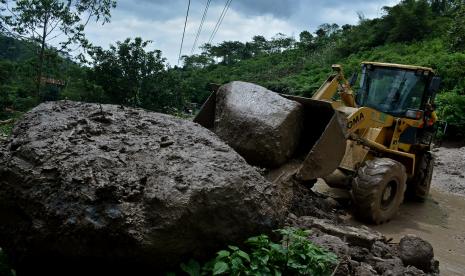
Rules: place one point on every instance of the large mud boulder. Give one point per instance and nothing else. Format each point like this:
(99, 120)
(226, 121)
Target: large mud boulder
(259, 124)
(106, 184)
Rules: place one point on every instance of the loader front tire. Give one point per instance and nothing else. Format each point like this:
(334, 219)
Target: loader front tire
(378, 190)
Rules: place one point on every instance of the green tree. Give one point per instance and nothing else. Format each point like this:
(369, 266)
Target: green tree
(457, 31)
(306, 40)
(45, 22)
(280, 42)
(260, 45)
(197, 61)
(7, 96)
(407, 21)
(228, 51)
(132, 75)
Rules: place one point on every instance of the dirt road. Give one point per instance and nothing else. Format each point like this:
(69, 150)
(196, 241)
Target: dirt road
(449, 169)
(441, 219)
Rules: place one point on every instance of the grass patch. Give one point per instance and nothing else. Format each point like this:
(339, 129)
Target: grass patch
(6, 129)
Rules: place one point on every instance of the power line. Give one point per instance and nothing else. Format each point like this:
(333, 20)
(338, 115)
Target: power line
(220, 20)
(184, 31)
(207, 5)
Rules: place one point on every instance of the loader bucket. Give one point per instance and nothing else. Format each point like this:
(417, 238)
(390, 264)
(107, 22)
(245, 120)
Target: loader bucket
(322, 143)
(206, 115)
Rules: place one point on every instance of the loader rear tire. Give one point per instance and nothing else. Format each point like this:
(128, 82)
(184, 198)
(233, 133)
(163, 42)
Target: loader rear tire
(378, 190)
(419, 186)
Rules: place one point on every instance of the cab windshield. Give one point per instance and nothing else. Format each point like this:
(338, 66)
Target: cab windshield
(392, 90)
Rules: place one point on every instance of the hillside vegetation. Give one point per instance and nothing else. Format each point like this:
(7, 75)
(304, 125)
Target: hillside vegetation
(420, 32)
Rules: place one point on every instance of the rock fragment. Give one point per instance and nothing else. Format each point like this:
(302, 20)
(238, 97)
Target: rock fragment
(417, 252)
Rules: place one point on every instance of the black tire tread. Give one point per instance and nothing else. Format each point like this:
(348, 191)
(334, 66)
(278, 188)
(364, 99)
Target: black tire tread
(421, 183)
(366, 185)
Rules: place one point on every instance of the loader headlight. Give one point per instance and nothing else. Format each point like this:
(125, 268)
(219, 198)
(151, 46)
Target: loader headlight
(414, 114)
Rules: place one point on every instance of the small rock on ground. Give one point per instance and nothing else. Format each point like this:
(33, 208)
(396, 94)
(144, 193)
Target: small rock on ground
(417, 252)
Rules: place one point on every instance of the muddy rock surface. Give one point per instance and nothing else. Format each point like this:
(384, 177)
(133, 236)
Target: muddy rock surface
(363, 251)
(333, 244)
(94, 182)
(259, 124)
(449, 169)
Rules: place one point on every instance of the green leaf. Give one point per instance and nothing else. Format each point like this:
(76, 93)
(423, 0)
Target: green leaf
(277, 247)
(236, 263)
(222, 254)
(192, 268)
(243, 255)
(265, 259)
(220, 268)
(233, 248)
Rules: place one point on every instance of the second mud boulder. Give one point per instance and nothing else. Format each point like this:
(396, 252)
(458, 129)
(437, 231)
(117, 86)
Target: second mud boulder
(259, 124)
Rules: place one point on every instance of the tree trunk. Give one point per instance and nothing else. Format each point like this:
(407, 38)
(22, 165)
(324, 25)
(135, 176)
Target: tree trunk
(41, 57)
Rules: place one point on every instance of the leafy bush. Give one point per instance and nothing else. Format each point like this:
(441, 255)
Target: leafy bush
(5, 269)
(5, 130)
(295, 254)
(451, 108)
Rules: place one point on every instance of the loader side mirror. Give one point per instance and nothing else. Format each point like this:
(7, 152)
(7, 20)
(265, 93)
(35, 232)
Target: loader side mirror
(353, 79)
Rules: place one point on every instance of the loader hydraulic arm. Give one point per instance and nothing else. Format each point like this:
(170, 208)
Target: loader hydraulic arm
(336, 82)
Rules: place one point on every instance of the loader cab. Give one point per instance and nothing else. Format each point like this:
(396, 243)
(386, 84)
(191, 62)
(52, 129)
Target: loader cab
(398, 90)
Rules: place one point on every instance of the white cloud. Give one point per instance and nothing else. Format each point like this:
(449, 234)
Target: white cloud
(236, 26)
(154, 21)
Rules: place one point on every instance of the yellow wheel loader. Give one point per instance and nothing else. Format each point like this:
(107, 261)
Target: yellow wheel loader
(375, 143)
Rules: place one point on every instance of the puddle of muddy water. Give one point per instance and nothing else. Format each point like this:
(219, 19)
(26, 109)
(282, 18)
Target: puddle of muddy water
(440, 220)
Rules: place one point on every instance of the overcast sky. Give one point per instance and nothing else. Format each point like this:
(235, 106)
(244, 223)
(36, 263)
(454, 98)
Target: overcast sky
(162, 21)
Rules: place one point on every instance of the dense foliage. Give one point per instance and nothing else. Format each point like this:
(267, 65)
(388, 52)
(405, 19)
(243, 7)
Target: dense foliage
(5, 269)
(43, 22)
(420, 32)
(294, 254)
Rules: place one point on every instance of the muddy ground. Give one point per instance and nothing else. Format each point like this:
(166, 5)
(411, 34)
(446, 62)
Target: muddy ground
(449, 172)
(441, 219)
